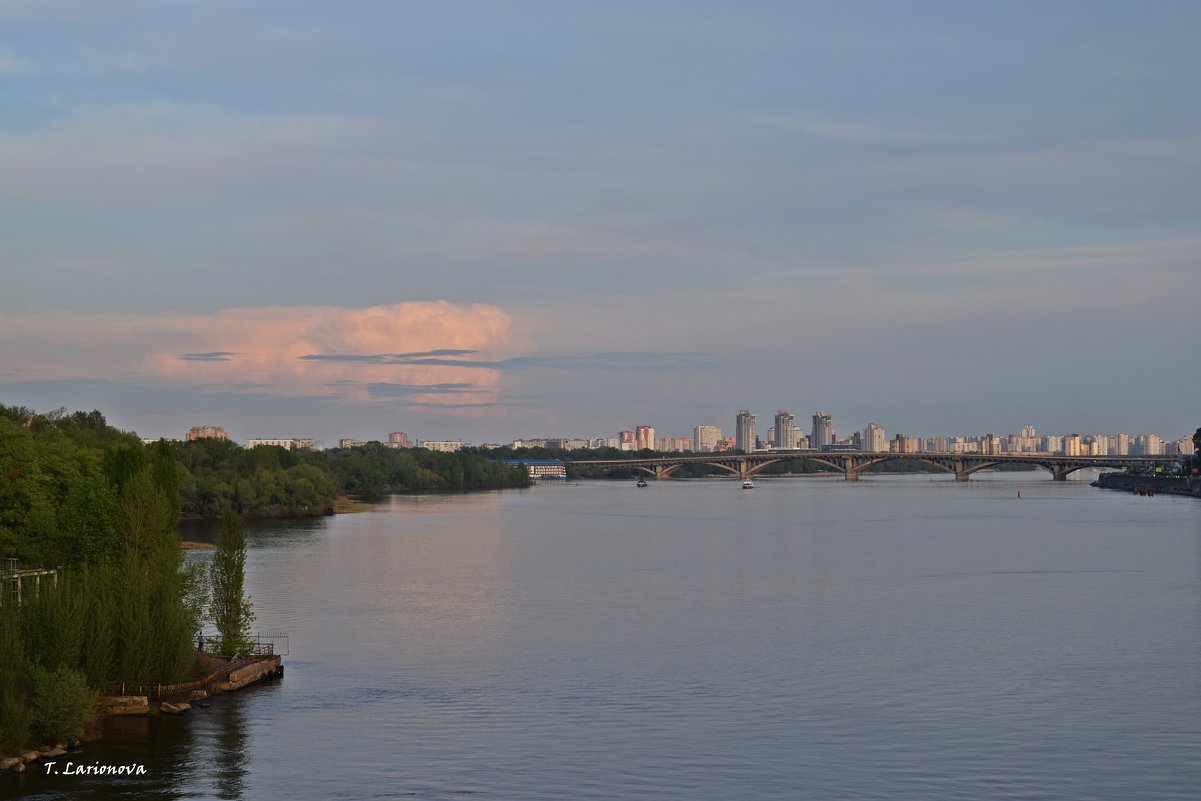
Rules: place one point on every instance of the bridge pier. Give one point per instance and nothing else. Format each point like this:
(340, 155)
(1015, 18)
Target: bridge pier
(1059, 474)
(663, 473)
(961, 469)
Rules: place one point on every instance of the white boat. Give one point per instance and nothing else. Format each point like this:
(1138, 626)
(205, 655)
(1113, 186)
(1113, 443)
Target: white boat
(748, 484)
(641, 482)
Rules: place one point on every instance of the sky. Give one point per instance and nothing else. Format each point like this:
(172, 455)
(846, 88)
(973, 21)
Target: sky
(490, 220)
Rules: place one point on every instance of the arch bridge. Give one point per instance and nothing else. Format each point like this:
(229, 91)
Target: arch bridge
(852, 463)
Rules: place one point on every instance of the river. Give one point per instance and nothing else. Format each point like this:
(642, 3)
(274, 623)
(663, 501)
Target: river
(900, 637)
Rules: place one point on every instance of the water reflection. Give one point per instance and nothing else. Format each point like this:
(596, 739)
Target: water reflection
(896, 638)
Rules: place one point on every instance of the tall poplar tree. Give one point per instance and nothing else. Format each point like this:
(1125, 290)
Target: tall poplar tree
(229, 607)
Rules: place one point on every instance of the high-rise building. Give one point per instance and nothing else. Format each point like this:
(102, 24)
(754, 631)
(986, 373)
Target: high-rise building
(1148, 445)
(786, 430)
(744, 431)
(705, 438)
(399, 439)
(823, 430)
(644, 438)
(206, 432)
(874, 439)
(625, 440)
(1028, 432)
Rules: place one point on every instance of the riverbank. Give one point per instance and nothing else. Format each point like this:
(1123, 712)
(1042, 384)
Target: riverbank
(1150, 484)
(122, 700)
(344, 505)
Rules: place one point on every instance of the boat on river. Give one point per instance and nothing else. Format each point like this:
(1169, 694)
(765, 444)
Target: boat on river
(748, 484)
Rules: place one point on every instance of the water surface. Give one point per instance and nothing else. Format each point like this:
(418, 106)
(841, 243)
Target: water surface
(893, 638)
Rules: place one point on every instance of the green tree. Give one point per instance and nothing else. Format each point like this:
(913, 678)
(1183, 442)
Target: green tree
(15, 715)
(62, 703)
(229, 607)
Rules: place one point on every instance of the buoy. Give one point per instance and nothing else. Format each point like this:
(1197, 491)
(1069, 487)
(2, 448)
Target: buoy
(1019, 493)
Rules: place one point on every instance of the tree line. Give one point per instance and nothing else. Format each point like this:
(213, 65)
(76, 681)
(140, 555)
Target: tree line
(123, 605)
(270, 481)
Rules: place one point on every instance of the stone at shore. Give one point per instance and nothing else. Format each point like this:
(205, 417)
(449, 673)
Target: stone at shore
(198, 695)
(55, 752)
(29, 756)
(124, 705)
(173, 709)
(10, 763)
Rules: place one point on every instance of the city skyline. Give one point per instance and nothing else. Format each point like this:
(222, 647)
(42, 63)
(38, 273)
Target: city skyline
(526, 218)
(709, 438)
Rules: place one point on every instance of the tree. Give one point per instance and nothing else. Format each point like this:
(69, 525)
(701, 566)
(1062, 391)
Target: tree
(229, 608)
(62, 702)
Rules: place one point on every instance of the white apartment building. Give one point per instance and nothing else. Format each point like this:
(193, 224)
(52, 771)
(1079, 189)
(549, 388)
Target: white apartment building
(442, 445)
(873, 439)
(705, 438)
(281, 443)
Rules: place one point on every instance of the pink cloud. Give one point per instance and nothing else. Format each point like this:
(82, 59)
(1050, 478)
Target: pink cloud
(260, 349)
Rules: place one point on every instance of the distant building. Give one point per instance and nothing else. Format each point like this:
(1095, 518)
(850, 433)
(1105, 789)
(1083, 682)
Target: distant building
(785, 431)
(744, 431)
(305, 443)
(442, 445)
(705, 438)
(873, 438)
(673, 444)
(351, 443)
(1148, 445)
(823, 430)
(644, 438)
(625, 440)
(206, 432)
(399, 439)
(279, 443)
(542, 469)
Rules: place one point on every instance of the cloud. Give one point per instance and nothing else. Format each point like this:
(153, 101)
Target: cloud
(409, 390)
(213, 356)
(10, 65)
(641, 360)
(381, 358)
(262, 349)
(848, 131)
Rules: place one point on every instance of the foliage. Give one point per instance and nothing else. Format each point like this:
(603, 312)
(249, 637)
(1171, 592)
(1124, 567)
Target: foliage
(123, 605)
(229, 608)
(15, 714)
(62, 702)
(270, 481)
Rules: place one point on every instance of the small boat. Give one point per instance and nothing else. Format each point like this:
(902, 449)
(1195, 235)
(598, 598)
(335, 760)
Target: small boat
(748, 484)
(641, 482)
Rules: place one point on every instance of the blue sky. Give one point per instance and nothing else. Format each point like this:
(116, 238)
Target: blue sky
(943, 217)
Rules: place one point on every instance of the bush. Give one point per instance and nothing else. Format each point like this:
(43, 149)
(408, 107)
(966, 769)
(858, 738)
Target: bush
(62, 703)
